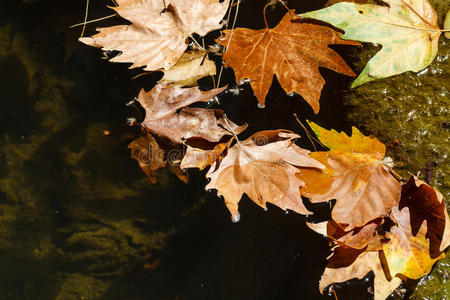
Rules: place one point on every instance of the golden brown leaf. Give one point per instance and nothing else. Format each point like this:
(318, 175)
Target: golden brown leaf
(201, 156)
(193, 65)
(355, 176)
(292, 51)
(161, 117)
(348, 263)
(263, 167)
(157, 36)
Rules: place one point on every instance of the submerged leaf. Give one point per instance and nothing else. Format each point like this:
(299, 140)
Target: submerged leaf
(148, 154)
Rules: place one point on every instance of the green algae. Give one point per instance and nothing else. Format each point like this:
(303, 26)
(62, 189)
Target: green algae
(56, 208)
(410, 114)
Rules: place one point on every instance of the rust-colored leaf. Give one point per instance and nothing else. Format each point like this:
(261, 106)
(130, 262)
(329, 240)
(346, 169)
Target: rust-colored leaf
(426, 204)
(263, 167)
(348, 263)
(148, 154)
(355, 176)
(161, 117)
(293, 51)
(158, 34)
(358, 238)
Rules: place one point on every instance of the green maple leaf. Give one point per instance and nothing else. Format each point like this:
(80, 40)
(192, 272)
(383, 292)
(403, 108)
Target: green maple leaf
(407, 30)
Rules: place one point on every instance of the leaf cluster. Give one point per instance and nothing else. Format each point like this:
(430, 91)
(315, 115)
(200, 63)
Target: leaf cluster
(379, 223)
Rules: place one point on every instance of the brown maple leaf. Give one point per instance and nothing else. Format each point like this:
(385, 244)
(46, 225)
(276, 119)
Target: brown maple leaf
(355, 176)
(348, 263)
(264, 168)
(293, 51)
(161, 117)
(157, 36)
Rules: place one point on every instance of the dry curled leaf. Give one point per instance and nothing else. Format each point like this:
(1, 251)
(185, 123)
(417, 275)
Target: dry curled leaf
(263, 167)
(348, 263)
(161, 117)
(292, 51)
(355, 176)
(158, 34)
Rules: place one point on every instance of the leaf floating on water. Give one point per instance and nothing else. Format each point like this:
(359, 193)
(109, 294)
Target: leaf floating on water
(407, 30)
(158, 35)
(161, 106)
(264, 168)
(355, 176)
(447, 24)
(348, 263)
(421, 233)
(292, 51)
(193, 65)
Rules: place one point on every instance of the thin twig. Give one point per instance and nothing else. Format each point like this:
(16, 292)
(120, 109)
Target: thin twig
(92, 21)
(306, 131)
(229, 39)
(195, 42)
(85, 18)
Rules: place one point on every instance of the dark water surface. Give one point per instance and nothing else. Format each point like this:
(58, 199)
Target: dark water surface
(78, 218)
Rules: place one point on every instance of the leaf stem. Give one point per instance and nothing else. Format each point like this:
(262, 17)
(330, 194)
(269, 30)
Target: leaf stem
(195, 42)
(92, 21)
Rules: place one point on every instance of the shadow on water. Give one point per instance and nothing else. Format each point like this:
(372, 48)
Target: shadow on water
(78, 218)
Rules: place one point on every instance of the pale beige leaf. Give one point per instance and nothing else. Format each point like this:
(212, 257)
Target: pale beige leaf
(193, 65)
(158, 34)
(264, 168)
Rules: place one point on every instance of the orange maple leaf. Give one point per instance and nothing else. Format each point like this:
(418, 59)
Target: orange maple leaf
(293, 51)
(355, 176)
